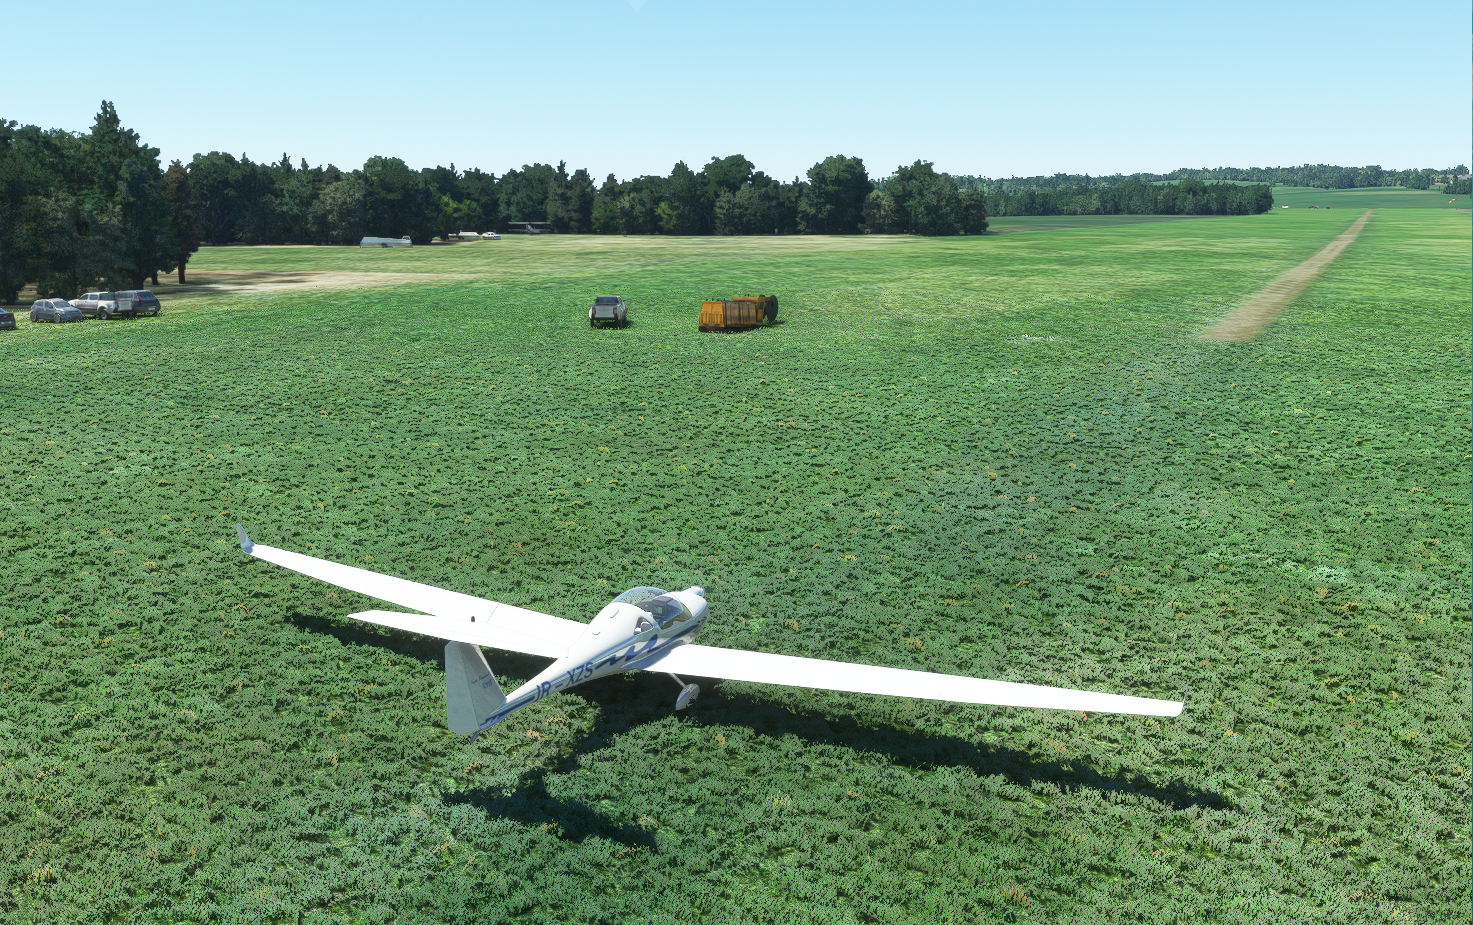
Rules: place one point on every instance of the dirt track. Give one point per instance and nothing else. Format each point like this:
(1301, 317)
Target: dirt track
(1255, 314)
(212, 282)
(215, 283)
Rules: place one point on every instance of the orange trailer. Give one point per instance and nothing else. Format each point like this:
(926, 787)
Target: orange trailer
(739, 313)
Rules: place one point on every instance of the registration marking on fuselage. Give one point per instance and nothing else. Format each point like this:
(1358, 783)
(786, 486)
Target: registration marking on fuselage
(612, 657)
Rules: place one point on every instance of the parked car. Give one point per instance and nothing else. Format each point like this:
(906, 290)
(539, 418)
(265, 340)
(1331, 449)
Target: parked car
(144, 301)
(493, 236)
(104, 305)
(7, 320)
(608, 308)
(57, 310)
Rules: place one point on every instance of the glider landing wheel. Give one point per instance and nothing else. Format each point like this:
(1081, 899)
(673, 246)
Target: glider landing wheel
(688, 692)
(688, 695)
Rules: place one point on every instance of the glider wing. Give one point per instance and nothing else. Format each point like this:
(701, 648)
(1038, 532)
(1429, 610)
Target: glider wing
(452, 615)
(459, 629)
(765, 668)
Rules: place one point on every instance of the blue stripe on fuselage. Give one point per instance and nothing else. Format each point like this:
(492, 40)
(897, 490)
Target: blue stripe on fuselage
(609, 658)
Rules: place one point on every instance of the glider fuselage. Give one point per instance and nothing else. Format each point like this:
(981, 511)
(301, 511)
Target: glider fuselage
(624, 635)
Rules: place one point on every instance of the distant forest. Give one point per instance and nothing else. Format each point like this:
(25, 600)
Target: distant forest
(97, 209)
(1323, 176)
(1189, 197)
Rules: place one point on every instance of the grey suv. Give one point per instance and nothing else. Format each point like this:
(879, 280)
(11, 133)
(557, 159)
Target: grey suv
(144, 301)
(57, 310)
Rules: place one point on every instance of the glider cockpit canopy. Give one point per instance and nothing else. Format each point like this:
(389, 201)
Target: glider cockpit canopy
(662, 607)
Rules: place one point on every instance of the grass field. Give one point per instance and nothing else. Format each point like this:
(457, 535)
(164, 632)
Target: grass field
(1007, 456)
(1375, 197)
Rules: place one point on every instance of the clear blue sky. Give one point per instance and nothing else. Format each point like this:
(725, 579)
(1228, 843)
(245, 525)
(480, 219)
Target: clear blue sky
(631, 86)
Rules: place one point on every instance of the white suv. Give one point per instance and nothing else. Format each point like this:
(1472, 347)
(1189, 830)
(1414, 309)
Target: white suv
(104, 305)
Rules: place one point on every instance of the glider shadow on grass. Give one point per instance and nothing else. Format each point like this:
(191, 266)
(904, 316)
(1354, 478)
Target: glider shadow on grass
(530, 802)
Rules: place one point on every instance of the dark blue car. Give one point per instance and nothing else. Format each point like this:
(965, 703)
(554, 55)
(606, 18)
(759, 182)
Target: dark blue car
(144, 301)
(7, 320)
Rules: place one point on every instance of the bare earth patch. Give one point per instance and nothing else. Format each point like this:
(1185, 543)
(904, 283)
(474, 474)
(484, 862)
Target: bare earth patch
(204, 284)
(1254, 315)
(235, 282)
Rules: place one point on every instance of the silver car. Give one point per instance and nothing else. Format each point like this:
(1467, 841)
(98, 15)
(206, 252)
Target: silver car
(56, 310)
(610, 308)
(104, 305)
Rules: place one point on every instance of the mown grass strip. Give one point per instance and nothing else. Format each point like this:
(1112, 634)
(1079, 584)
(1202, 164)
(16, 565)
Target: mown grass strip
(1265, 305)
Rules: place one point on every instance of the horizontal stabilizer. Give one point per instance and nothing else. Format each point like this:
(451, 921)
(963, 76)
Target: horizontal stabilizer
(765, 668)
(471, 691)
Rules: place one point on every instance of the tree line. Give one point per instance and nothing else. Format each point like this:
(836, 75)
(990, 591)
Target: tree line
(81, 211)
(97, 209)
(1189, 197)
(1323, 176)
(278, 203)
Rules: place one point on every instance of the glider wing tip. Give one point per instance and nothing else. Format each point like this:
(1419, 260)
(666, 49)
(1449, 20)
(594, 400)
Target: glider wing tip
(246, 546)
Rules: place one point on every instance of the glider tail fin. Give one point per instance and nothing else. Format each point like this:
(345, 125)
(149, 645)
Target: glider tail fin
(471, 692)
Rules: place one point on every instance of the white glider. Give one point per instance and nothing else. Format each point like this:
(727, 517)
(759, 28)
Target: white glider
(645, 628)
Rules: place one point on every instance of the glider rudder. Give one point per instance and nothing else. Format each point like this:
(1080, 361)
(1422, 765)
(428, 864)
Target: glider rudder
(471, 691)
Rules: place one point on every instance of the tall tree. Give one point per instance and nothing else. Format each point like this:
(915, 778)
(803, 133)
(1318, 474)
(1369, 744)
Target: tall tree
(579, 201)
(143, 215)
(18, 187)
(905, 185)
(882, 215)
(973, 211)
(213, 178)
(340, 213)
(834, 202)
(127, 185)
(570, 201)
(524, 193)
(80, 247)
(296, 190)
(184, 229)
(451, 215)
(605, 216)
(105, 149)
(639, 205)
(750, 210)
(681, 211)
(727, 174)
(483, 203)
(786, 206)
(936, 207)
(398, 201)
(256, 189)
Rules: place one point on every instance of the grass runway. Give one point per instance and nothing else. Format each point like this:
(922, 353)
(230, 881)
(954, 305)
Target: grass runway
(1007, 456)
